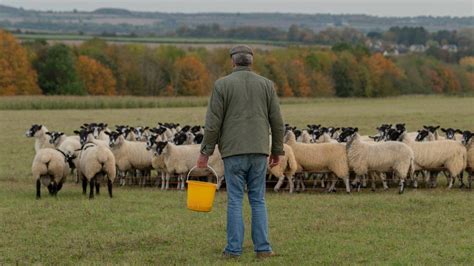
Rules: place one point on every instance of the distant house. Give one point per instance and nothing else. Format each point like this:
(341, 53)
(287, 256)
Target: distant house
(452, 48)
(391, 52)
(401, 48)
(417, 48)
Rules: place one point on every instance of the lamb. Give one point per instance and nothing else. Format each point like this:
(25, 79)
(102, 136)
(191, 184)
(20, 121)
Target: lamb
(50, 168)
(433, 155)
(379, 156)
(468, 141)
(180, 159)
(130, 155)
(286, 167)
(321, 157)
(41, 138)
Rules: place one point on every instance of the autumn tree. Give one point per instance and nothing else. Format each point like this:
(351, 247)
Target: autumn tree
(57, 72)
(191, 77)
(298, 79)
(384, 74)
(344, 74)
(97, 79)
(16, 74)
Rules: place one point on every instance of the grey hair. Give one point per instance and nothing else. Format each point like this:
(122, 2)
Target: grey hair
(242, 59)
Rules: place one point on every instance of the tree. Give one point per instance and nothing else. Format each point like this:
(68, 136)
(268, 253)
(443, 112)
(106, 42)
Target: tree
(297, 79)
(293, 33)
(97, 79)
(16, 74)
(383, 74)
(57, 72)
(344, 74)
(191, 78)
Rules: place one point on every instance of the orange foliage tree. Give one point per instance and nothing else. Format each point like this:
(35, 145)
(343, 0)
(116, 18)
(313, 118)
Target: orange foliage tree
(297, 79)
(383, 74)
(97, 79)
(191, 77)
(17, 77)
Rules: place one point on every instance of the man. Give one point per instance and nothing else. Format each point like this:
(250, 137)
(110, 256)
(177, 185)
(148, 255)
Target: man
(242, 109)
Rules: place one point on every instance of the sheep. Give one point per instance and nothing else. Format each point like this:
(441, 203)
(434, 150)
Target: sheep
(70, 145)
(165, 133)
(453, 134)
(141, 133)
(57, 138)
(431, 132)
(365, 157)
(130, 155)
(86, 136)
(469, 144)
(180, 159)
(305, 136)
(321, 157)
(157, 162)
(184, 138)
(50, 168)
(96, 162)
(286, 167)
(322, 136)
(433, 155)
(41, 138)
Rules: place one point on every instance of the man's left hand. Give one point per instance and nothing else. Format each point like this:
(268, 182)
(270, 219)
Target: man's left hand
(202, 161)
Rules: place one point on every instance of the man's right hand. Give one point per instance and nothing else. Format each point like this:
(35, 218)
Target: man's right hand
(274, 160)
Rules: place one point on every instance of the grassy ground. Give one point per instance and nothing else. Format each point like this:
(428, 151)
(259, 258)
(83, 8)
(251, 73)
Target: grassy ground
(161, 40)
(149, 226)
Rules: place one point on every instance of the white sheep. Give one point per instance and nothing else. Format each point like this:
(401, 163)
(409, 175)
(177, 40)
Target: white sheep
(287, 167)
(130, 155)
(180, 159)
(365, 158)
(468, 141)
(324, 157)
(95, 163)
(435, 155)
(42, 140)
(50, 168)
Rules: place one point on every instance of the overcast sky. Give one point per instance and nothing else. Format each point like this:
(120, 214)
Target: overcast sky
(372, 7)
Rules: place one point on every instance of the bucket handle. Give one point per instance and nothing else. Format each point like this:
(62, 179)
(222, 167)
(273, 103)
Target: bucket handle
(208, 167)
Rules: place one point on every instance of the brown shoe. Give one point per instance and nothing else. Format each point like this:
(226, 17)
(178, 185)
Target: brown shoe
(264, 255)
(226, 255)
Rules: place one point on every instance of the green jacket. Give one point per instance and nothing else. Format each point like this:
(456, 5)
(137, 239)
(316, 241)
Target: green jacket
(242, 109)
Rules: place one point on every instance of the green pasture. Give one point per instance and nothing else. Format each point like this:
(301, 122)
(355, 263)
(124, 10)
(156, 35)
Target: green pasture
(150, 226)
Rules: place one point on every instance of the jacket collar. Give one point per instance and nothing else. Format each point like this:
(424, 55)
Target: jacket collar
(242, 68)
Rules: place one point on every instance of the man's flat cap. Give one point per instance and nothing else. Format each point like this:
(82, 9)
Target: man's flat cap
(241, 49)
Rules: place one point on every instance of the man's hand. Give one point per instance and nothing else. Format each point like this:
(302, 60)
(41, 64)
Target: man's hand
(274, 160)
(202, 161)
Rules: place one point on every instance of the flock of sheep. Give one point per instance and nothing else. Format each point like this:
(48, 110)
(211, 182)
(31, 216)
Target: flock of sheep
(325, 154)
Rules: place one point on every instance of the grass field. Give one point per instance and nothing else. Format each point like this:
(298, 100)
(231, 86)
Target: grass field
(149, 226)
(153, 40)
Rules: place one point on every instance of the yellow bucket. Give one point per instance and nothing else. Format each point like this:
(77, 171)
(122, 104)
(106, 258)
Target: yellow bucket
(201, 194)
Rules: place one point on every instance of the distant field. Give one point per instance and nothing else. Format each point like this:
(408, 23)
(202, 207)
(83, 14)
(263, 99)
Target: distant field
(154, 41)
(149, 226)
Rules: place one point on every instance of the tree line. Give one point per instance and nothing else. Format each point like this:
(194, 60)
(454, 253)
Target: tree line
(98, 68)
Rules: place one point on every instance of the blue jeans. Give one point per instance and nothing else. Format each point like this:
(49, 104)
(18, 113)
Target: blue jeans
(247, 169)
